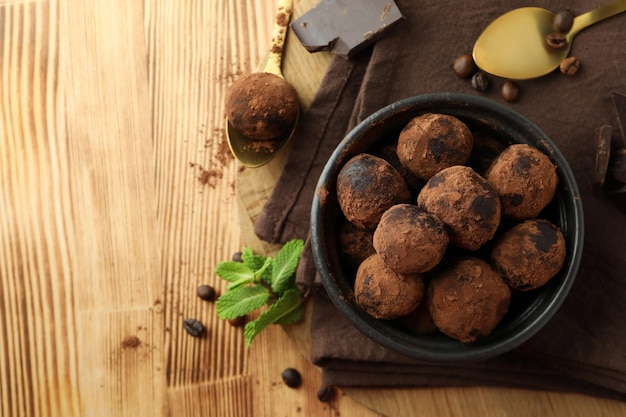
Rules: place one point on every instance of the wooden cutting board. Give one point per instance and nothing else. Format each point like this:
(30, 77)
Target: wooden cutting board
(254, 186)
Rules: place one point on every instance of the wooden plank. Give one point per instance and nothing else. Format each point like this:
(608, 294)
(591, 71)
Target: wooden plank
(105, 111)
(196, 50)
(228, 397)
(38, 337)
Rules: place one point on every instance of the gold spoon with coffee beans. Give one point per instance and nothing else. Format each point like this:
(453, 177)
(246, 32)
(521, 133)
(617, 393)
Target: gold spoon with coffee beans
(524, 44)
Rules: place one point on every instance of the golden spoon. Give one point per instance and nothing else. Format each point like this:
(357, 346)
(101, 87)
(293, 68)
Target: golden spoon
(514, 45)
(252, 152)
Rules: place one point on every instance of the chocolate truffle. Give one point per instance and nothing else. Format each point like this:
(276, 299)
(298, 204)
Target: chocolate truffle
(355, 245)
(385, 294)
(262, 106)
(410, 240)
(525, 179)
(529, 254)
(432, 142)
(468, 299)
(366, 187)
(465, 202)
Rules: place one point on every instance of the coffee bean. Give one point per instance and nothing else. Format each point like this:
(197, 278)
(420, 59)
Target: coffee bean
(480, 81)
(194, 327)
(237, 257)
(292, 378)
(206, 292)
(325, 393)
(569, 66)
(556, 40)
(510, 91)
(563, 21)
(464, 66)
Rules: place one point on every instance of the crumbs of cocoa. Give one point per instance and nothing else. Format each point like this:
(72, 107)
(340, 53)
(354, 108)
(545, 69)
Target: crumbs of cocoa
(222, 157)
(322, 194)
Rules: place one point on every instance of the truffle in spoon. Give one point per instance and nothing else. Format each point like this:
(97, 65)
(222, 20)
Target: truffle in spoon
(262, 106)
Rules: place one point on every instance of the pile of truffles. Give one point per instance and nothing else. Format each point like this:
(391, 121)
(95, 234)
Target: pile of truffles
(448, 221)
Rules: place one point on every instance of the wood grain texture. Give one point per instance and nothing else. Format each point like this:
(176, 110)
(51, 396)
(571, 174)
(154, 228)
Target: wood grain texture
(118, 198)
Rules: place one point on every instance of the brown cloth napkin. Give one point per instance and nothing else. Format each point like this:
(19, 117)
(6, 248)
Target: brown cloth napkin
(583, 348)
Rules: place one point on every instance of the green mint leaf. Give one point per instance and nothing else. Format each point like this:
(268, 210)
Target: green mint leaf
(240, 301)
(294, 316)
(284, 265)
(241, 281)
(264, 270)
(254, 262)
(284, 307)
(234, 271)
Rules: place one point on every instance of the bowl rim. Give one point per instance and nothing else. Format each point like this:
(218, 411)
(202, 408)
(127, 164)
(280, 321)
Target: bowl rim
(395, 340)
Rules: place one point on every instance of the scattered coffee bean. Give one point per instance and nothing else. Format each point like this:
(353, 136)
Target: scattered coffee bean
(556, 40)
(325, 393)
(292, 378)
(464, 66)
(237, 257)
(238, 322)
(510, 91)
(569, 66)
(206, 292)
(480, 81)
(563, 21)
(194, 327)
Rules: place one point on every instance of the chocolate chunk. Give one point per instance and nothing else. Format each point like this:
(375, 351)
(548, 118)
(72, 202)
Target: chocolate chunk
(603, 153)
(345, 27)
(619, 101)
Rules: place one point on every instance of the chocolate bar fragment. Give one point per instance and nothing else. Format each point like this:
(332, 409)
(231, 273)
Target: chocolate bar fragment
(619, 103)
(603, 154)
(345, 27)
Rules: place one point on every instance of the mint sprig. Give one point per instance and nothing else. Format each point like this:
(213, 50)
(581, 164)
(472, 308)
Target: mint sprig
(258, 281)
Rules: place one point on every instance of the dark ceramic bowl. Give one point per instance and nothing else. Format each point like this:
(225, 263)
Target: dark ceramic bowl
(528, 311)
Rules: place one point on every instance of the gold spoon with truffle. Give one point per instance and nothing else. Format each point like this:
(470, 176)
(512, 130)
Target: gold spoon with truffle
(262, 109)
(514, 45)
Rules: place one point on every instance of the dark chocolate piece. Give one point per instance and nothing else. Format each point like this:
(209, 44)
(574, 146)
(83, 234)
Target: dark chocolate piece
(618, 163)
(619, 101)
(603, 153)
(345, 27)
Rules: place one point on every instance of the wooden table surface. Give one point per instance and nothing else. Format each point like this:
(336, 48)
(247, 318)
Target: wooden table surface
(118, 198)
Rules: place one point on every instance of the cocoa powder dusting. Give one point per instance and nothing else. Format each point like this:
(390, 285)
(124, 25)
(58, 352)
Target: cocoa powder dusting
(211, 175)
(260, 146)
(282, 19)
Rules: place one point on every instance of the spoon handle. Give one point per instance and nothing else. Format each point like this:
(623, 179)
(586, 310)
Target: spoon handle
(594, 16)
(274, 59)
